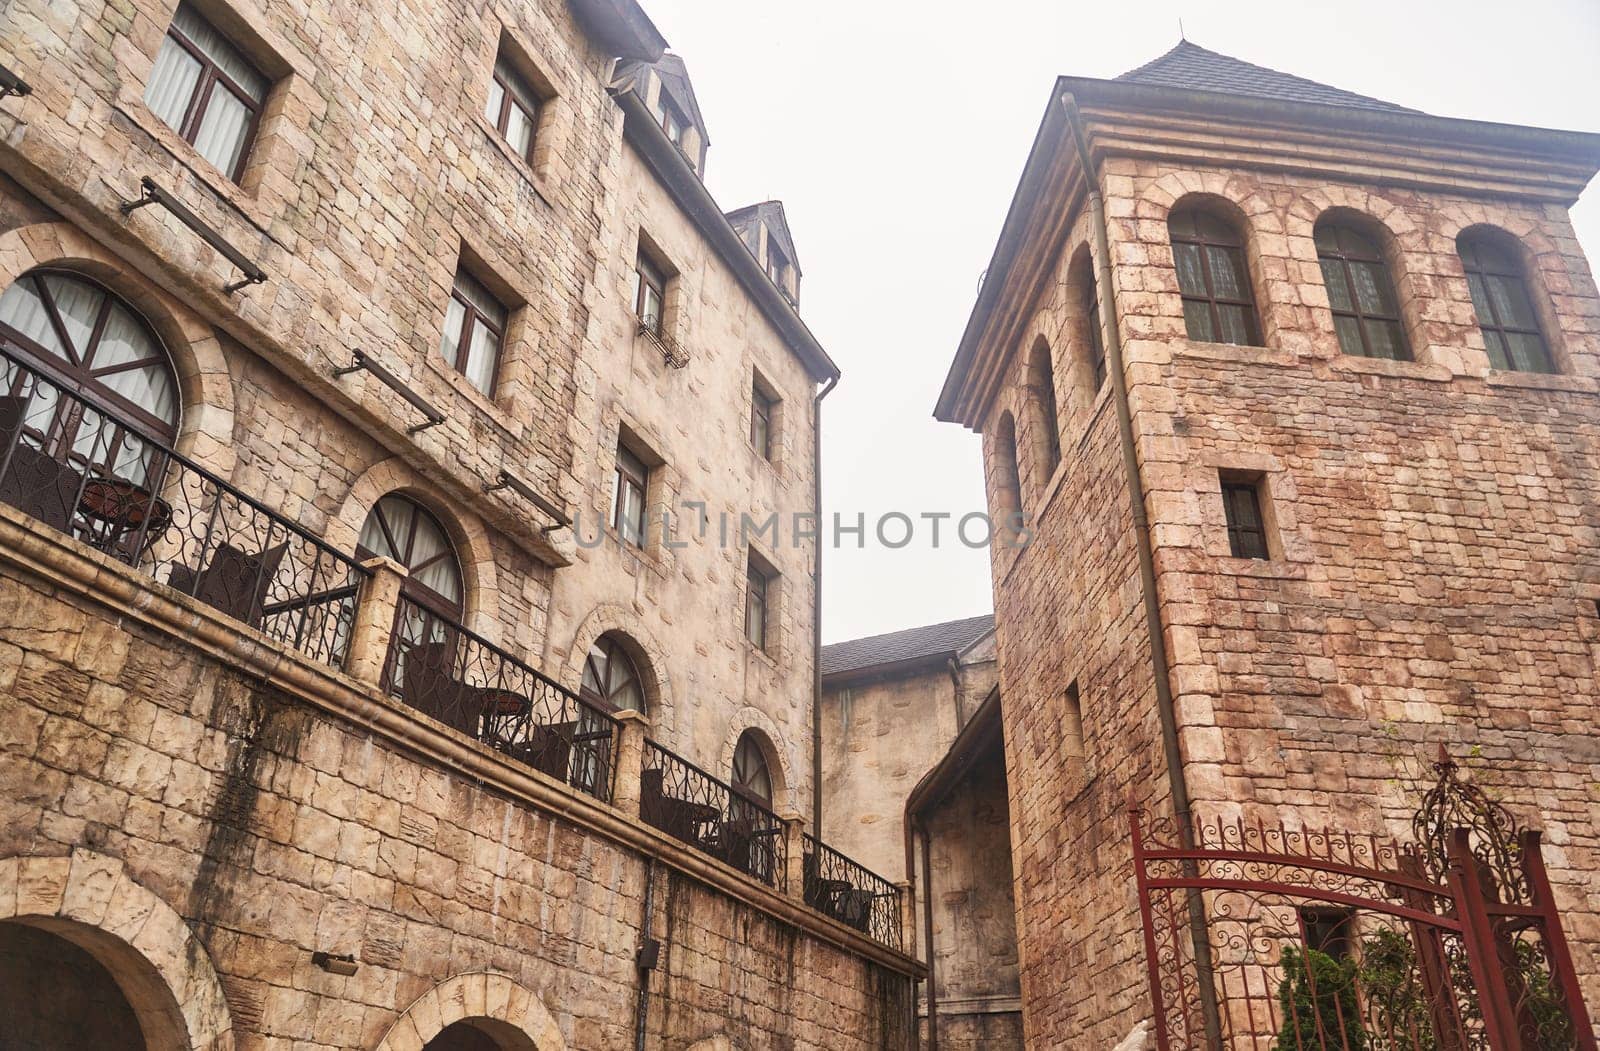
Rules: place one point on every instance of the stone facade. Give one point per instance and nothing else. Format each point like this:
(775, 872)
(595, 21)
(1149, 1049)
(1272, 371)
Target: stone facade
(1431, 573)
(198, 809)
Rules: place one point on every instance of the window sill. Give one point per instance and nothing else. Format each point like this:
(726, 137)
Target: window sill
(485, 405)
(1234, 352)
(518, 163)
(1544, 381)
(1261, 568)
(761, 655)
(1415, 370)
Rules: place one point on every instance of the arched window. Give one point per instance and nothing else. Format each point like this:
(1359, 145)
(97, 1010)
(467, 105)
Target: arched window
(1094, 340)
(752, 778)
(611, 680)
(1008, 481)
(1043, 376)
(1366, 311)
(1506, 315)
(84, 340)
(401, 529)
(1218, 306)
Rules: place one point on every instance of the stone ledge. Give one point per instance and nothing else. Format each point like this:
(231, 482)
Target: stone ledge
(1414, 370)
(1544, 381)
(1234, 352)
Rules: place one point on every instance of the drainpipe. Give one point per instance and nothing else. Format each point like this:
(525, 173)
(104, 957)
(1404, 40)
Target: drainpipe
(647, 958)
(1159, 664)
(927, 926)
(816, 610)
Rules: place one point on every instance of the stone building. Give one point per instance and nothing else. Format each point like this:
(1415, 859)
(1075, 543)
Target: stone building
(1370, 512)
(913, 778)
(382, 664)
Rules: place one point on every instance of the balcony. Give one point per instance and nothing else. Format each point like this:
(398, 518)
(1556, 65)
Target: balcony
(83, 470)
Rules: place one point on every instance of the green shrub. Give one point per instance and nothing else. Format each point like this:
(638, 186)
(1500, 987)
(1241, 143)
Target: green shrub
(1317, 1002)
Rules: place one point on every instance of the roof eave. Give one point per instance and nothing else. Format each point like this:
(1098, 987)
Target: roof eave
(671, 168)
(621, 27)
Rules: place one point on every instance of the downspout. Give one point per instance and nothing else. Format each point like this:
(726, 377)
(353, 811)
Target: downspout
(1159, 663)
(816, 609)
(927, 926)
(647, 958)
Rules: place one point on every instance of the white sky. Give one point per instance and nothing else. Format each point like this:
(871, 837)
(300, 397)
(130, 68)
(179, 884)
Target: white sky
(894, 131)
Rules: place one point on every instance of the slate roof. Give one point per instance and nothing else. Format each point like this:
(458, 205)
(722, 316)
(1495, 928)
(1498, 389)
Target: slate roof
(777, 220)
(930, 640)
(1194, 67)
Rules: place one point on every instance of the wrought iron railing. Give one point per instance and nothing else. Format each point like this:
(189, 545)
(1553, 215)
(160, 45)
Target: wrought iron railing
(696, 808)
(91, 472)
(441, 669)
(673, 352)
(851, 893)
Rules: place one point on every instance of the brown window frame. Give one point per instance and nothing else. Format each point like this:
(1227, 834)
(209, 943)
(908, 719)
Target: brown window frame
(210, 76)
(761, 410)
(1468, 249)
(1245, 540)
(644, 269)
(1231, 243)
(745, 780)
(471, 313)
(631, 472)
(670, 118)
(1341, 257)
(756, 609)
(511, 98)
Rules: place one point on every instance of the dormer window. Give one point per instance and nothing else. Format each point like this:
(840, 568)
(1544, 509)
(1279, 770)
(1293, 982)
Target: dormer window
(672, 121)
(777, 265)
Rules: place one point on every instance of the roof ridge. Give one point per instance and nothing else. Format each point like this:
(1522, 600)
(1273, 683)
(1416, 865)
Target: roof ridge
(1189, 65)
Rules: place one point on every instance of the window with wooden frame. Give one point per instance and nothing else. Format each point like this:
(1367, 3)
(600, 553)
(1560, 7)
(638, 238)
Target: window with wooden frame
(763, 411)
(1510, 325)
(649, 293)
(207, 91)
(630, 488)
(758, 580)
(1366, 311)
(1218, 306)
(1096, 343)
(671, 117)
(1247, 527)
(474, 328)
(513, 107)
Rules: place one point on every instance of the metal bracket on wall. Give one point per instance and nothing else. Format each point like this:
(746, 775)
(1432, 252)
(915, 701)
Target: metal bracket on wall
(11, 84)
(153, 194)
(522, 489)
(360, 362)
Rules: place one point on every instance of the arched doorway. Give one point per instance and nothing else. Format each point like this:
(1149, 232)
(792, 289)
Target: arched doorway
(611, 679)
(752, 775)
(87, 391)
(479, 1034)
(401, 529)
(56, 996)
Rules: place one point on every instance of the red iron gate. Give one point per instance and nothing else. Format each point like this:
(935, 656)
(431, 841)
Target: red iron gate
(1336, 941)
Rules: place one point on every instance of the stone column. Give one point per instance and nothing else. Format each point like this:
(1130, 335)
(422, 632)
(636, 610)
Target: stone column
(908, 917)
(630, 762)
(374, 621)
(794, 851)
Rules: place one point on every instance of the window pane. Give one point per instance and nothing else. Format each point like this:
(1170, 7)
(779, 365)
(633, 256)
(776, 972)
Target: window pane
(78, 305)
(1528, 352)
(223, 130)
(470, 289)
(1235, 324)
(215, 46)
(23, 310)
(1386, 340)
(1338, 288)
(491, 108)
(481, 359)
(1372, 289)
(1497, 349)
(1327, 239)
(150, 388)
(450, 342)
(519, 130)
(1197, 319)
(1349, 330)
(1191, 278)
(1227, 273)
(1480, 300)
(1511, 300)
(652, 307)
(172, 83)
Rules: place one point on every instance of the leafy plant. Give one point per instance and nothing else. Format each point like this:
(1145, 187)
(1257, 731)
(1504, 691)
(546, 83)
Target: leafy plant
(1397, 1003)
(1317, 1002)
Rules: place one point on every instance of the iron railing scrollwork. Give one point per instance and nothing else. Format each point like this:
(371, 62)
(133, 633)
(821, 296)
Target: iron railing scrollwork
(673, 352)
(74, 463)
(851, 893)
(438, 667)
(708, 814)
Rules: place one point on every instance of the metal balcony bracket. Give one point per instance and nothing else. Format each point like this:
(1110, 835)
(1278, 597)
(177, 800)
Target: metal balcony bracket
(524, 490)
(150, 194)
(11, 84)
(360, 362)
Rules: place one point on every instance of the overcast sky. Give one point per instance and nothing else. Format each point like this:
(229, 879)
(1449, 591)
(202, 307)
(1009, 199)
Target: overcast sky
(894, 131)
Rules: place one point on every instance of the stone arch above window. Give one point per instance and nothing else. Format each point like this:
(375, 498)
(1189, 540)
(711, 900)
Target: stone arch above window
(401, 529)
(1360, 263)
(1209, 251)
(649, 658)
(511, 1015)
(1512, 314)
(754, 725)
(1041, 384)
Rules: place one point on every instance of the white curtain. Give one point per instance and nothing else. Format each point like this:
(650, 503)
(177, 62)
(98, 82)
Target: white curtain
(23, 310)
(172, 83)
(150, 387)
(223, 130)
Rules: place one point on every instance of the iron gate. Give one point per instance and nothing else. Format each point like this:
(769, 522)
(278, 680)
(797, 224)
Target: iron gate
(1324, 940)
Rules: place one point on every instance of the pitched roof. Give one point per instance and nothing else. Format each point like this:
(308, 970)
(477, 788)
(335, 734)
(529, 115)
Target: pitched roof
(1194, 67)
(777, 220)
(898, 647)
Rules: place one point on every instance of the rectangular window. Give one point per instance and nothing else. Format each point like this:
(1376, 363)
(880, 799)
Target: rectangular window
(761, 407)
(206, 91)
(1247, 531)
(649, 293)
(474, 325)
(513, 108)
(1327, 930)
(672, 121)
(755, 604)
(629, 487)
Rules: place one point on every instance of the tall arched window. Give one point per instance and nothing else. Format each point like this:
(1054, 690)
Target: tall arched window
(1094, 340)
(1505, 310)
(611, 680)
(1042, 374)
(1366, 311)
(1218, 306)
(752, 777)
(402, 529)
(84, 340)
(1008, 479)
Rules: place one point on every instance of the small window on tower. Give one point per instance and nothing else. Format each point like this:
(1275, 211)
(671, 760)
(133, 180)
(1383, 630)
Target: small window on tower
(763, 409)
(1247, 527)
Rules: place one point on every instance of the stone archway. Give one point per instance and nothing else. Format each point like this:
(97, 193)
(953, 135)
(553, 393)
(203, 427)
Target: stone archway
(777, 755)
(165, 975)
(459, 1013)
